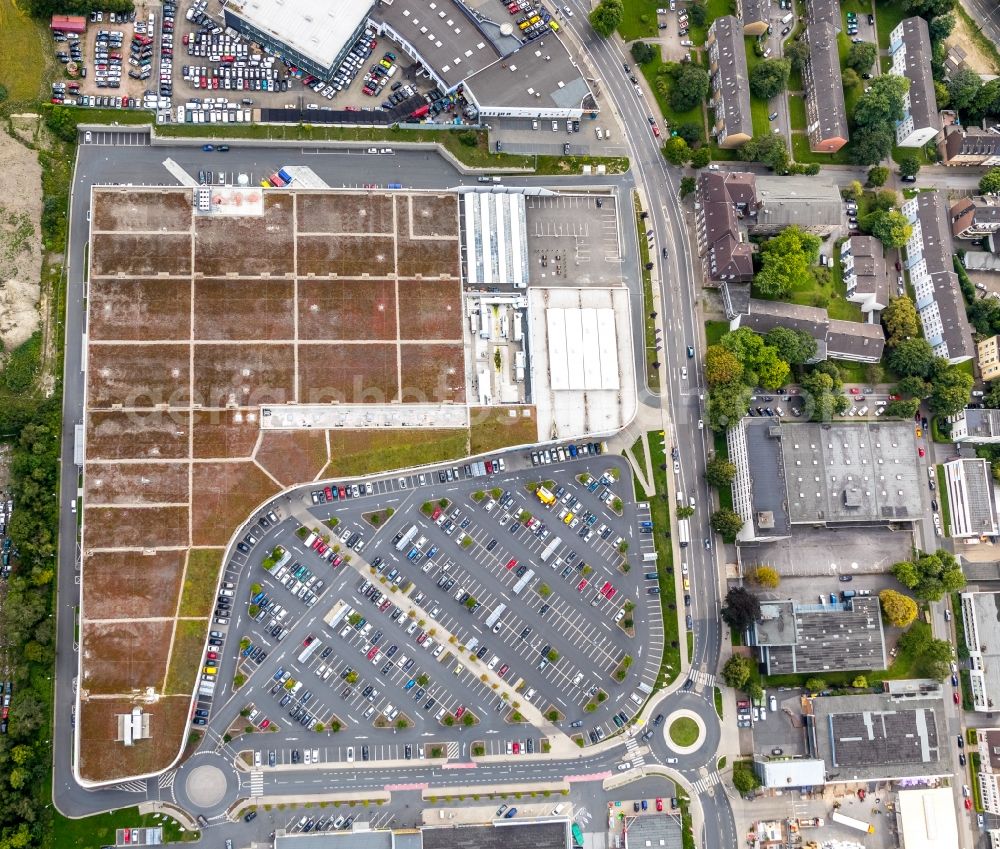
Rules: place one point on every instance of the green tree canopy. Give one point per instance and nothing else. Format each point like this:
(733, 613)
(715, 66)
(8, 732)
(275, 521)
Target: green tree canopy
(898, 609)
(932, 658)
(726, 522)
(769, 77)
(701, 157)
(882, 103)
(642, 52)
(909, 166)
(786, 259)
(940, 27)
(722, 366)
(913, 387)
(987, 101)
(900, 319)
(912, 356)
(871, 144)
(862, 56)
(727, 404)
(744, 778)
(606, 16)
(769, 149)
(676, 150)
(930, 576)
(989, 183)
(736, 671)
(963, 88)
(741, 608)
(689, 87)
(797, 52)
(761, 364)
(720, 471)
(878, 175)
(794, 346)
(950, 392)
(890, 228)
(688, 185)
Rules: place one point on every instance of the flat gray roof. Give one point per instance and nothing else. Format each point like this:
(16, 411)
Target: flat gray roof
(871, 737)
(541, 74)
(767, 474)
(984, 423)
(379, 839)
(654, 831)
(505, 834)
(805, 201)
(317, 29)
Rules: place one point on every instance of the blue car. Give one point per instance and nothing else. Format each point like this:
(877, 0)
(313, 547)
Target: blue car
(207, 147)
(409, 684)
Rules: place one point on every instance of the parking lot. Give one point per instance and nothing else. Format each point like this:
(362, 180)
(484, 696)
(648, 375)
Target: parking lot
(395, 632)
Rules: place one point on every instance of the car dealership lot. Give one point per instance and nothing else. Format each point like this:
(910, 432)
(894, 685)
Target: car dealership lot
(433, 582)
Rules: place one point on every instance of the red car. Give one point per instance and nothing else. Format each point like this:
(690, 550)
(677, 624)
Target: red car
(659, 804)
(372, 652)
(212, 655)
(656, 131)
(308, 640)
(343, 492)
(503, 670)
(511, 563)
(920, 451)
(895, 397)
(968, 804)
(517, 748)
(128, 833)
(855, 390)
(435, 514)
(582, 585)
(489, 467)
(329, 494)
(265, 724)
(956, 698)
(460, 712)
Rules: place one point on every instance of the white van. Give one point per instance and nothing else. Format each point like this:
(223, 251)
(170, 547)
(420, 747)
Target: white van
(787, 19)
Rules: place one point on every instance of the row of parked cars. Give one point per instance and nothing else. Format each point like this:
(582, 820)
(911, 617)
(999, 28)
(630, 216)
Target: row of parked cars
(166, 48)
(348, 68)
(560, 454)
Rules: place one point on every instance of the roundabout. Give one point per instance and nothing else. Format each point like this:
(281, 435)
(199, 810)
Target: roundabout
(684, 731)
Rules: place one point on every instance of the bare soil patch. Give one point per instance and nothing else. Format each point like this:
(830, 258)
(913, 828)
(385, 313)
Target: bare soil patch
(115, 435)
(225, 433)
(138, 376)
(344, 213)
(128, 527)
(185, 657)
(243, 309)
(432, 372)
(293, 456)
(975, 58)
(244, 375)
(103, 758)
(131, 584)
(431, 309)
(361, 452)
(498, 427)
(136, 483)
(149, 210)
(430, 215)
(357, 374)
(345, 256)
(222, 496)
(140, 310)
(200, 581)
(20, 242)
(140, 256)
(246, 245)
(124, 657)
(347, 309)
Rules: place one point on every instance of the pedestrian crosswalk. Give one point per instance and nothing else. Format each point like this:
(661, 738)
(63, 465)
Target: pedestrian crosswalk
(132, 786)
(709, 781)
(166, 779)
(453, 750)
(632, 748)
(702, 677)
(256, 783)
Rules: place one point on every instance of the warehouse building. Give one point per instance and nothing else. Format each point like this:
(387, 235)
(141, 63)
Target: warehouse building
(314, 34)
(496, 242)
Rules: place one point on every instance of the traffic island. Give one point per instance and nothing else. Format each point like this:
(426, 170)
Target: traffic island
(684, 732)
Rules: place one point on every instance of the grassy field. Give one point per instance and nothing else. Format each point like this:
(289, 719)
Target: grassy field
(96, 831)
(684, 731)
(722, 450)
(797, 112)
(809, 292)
(715, 330)
(362, 452)
(839, 306)
(26, 60)
(494, 427)
(670, 666)
(692, 116)
(888, 13)
(652, 374)
(759, 109)
(988, 48)
(802, 153)
(639, 20)
(200, 580)
(715, 9)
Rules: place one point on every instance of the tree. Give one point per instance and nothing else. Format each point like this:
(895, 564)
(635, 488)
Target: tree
(988, 100)
(909, 167)
(642, 52)
(685, 512)
(940, 94)
(900, 320)
(766, 576)
(898, 610)
(940, 27)
(878, 175)
(930, 576)
(950, 392)
(797, 53)
(890, 228)
(744, 778)
(992, 397)
(860, 682)
(701, 157)
(885, 199)
(822, 393)
(676, 150)
(854, 191)
(689, 87)
(721, 366)
(989, 183)
(719, 471)
(762, 366)
(815, 685)
(932, 658)
(913, 387)
(850, 78)
(606, 17)
(963, 88)
(795, 347)
(903, 409)
(769, 149)
(742, 608)
(769, 78)
(882, 103)
(688, 185)
(785, 259)
(912, 356)
(862, 56)
(698, 14)
(690, 132)
(870, 145)
(727, 404)
(736, 672)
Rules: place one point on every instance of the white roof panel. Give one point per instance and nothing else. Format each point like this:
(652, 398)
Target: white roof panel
(591, 353)
(608, 342)
(558, 366)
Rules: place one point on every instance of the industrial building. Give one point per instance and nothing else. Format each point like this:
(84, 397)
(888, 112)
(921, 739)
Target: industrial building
(971, 499)
(550, 833)
(939, 298)
(496, 247)
(727, 66)
(782, 773)
(823, 474)
(793, 637)
(313, 34)
(925, 817)
(910, 49)
(981, 617)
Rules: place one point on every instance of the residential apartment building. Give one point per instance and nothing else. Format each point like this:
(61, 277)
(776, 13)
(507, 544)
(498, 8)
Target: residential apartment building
(973, 509)
(866, 273)
(988, 744)
(988, 356)
(732, 125)
(824, 12)
(969, 146)
(826, 113)
(939, 298)
(981, 618)
(975, 426)
(972, 218)
(724, 198)
(753, 14)
(910, 49)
